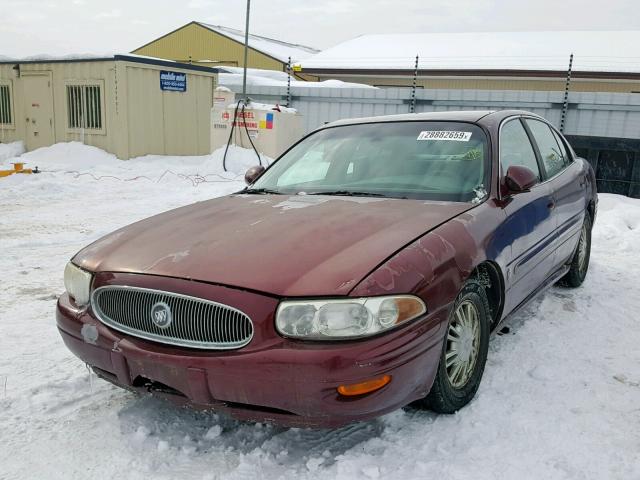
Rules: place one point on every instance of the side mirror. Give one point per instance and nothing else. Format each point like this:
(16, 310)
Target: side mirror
(253, 174)
(519, 179)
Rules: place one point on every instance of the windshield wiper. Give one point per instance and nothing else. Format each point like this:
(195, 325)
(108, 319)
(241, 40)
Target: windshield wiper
(348, 193)
(261, 191)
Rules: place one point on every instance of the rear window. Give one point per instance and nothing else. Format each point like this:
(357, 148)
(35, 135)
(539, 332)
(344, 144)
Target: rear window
(422, 160)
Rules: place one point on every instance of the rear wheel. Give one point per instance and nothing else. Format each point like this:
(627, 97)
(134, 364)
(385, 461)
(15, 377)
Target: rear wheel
(580, 261)
(464, 353)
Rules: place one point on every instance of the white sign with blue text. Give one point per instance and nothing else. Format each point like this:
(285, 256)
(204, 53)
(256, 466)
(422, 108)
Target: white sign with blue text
(173, 81)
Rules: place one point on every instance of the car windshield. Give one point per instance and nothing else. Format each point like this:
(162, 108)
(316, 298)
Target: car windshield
(422, 160)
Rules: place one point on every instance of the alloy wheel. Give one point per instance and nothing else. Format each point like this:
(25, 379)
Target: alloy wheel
(463, 343)
(582, 250)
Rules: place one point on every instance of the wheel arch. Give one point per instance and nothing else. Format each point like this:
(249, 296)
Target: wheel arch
(591, 210)
(489, 275)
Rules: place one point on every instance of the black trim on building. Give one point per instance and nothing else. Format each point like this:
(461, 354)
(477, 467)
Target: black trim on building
(377, 72)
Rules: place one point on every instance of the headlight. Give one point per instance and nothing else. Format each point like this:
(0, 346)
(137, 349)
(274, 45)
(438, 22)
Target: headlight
(345, 318)
(78, 284)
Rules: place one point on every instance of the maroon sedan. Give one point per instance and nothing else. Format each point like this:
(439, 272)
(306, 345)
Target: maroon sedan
(362, 271)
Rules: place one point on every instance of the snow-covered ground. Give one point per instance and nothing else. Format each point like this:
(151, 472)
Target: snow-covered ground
(560, 398)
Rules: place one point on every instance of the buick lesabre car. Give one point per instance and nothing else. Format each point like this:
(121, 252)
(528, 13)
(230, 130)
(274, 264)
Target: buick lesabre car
(362, 271)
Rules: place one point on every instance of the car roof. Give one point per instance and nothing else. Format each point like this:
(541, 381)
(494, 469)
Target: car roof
(473, 116)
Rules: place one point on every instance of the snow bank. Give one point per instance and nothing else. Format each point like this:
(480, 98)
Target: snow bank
(8, 152)
(622, 217)
(559, 399)
(272, 78)
(75, 157)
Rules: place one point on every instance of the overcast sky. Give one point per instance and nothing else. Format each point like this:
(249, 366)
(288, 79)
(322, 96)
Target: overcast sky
(31, 27)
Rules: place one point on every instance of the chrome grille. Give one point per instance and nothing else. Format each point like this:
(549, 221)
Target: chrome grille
(193, 322)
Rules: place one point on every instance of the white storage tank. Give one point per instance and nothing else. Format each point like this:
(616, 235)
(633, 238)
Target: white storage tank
(271, 128)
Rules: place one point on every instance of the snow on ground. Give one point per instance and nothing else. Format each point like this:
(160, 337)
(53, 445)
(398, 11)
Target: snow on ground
(560, 398)
(10, 150)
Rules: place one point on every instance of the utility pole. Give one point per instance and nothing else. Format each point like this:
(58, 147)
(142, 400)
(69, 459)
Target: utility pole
(246, 53)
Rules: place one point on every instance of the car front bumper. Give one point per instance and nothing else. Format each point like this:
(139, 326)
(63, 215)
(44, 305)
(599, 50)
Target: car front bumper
(274, 380)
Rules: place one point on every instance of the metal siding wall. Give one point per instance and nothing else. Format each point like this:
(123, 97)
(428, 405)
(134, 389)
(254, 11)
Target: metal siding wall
(138, 118)
(595, 121)
(61, 74)
(144, 112)
(615, 115)
(12, 134)
(67, 73)
(167, 123)
(200, 43)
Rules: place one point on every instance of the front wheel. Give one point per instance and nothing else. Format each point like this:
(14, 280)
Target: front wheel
(464, 353)
(580, 261)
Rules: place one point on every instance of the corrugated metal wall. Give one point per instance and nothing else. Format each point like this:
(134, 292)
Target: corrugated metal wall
(615, 115)
(195, 42)
(164, 122)
(61, 75)
(136, 116)
(603, 127)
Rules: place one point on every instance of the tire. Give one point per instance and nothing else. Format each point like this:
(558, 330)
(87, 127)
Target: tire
(580, 261)
(450, 392)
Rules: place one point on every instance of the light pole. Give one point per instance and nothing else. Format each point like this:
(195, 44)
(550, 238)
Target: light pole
(246, 52)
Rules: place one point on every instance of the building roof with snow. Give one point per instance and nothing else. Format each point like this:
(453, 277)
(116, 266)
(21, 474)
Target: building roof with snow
(594, 51)
(270, 46)
(214, 45)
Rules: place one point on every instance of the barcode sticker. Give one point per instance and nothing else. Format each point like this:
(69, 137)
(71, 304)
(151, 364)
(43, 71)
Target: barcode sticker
(445, 135)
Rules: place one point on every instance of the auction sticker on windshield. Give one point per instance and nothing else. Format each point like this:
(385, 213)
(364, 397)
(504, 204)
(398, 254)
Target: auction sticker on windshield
(445, 135)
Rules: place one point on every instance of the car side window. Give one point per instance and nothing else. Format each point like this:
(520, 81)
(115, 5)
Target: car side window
(563, 149)
(516, 148)
(552, 158)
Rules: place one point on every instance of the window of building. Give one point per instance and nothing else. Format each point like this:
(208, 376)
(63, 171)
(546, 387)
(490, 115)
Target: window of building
(84, 107)
(516, 148)
(552, 158)
(6, 114)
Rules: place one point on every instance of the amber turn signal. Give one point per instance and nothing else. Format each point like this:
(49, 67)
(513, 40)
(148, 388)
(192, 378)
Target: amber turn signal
(364, 387)
(409, 308)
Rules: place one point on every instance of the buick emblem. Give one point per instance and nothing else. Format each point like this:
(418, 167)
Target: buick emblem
(161, 315)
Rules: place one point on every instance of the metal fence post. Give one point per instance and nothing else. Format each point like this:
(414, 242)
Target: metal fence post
(565, 104)
(412, 105)
(289, 82)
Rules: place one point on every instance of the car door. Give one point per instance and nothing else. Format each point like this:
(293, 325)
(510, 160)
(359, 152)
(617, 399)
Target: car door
(567, 183)
(529, 223)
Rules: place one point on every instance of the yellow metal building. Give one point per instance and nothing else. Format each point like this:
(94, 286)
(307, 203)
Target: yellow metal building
(126, 105)
(212, 45)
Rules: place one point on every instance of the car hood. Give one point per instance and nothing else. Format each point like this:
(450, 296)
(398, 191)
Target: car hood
(282, 245)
